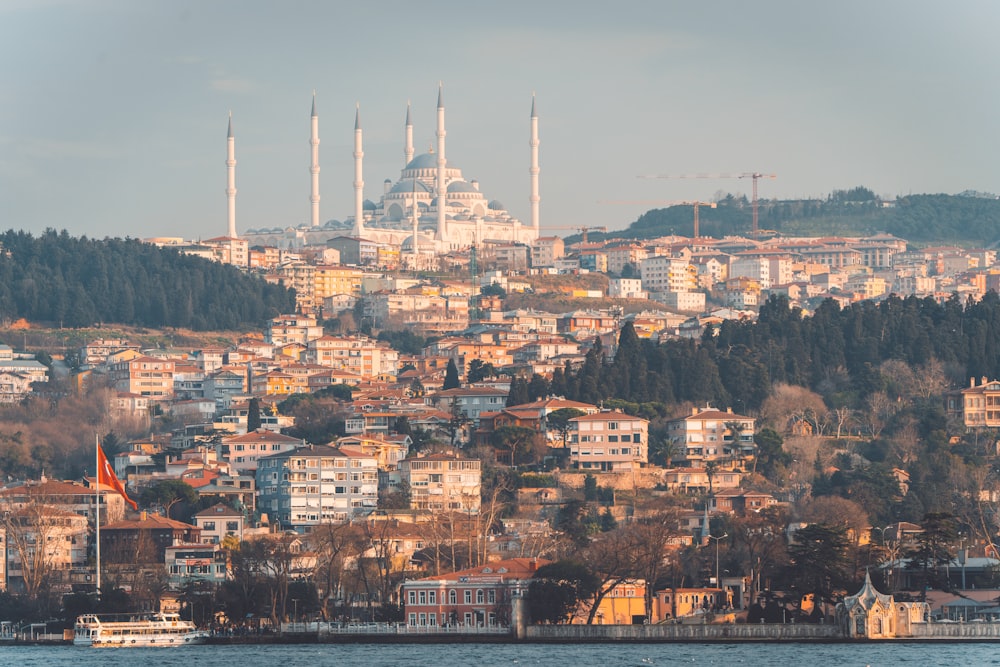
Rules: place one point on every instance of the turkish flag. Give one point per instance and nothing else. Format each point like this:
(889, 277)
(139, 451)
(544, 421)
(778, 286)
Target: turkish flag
(106, 476)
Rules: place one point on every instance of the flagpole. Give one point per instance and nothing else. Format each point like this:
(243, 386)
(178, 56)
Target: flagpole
(97, 513)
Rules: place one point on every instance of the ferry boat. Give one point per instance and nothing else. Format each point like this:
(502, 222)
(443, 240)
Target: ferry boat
(120, 630)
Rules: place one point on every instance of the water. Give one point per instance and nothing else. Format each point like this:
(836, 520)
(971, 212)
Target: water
(511, 655)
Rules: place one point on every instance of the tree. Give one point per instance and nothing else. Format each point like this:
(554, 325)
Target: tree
(559, 421)
(518, 394)
(167, 493)
(935, 547)
(253, 415)
(451, 380)
(820, 562)
(649, 539)
(557, 589)
(517, 439)
(479, 371)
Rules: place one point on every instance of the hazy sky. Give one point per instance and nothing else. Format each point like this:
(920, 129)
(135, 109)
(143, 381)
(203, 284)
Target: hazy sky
(113, 113)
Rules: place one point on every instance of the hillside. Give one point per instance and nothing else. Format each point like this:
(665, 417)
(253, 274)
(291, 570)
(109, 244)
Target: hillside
(970, 220)
(77, 282)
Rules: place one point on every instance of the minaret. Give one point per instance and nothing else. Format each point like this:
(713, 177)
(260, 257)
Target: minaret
(359, 183)
(231, 181)
(534, 198)
(442, 228)
(314, 168)
(408, 145)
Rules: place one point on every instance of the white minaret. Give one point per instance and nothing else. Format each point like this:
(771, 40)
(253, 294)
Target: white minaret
(231, 181)
(442, 198)
(314, 167)
(408, 145)
(534, 198)
(359, 183)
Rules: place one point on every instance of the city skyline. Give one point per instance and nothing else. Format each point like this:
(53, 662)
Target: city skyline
(114, 123)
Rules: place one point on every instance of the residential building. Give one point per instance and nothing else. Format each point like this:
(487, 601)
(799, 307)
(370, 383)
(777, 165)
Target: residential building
(292, 329)
(301, 488)
(218, 522)
(626, 288)
(243, 452)
(443, 482)
(978, 404)
(145, 376)
(355, 251)
(608, 441)
(545, 250)
(469, 401)
(661, 273)
(360, 355)
(711, 435)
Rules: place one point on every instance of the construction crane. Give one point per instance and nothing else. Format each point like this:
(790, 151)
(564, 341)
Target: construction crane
(659, 202)
(583, 230)
(755, 175)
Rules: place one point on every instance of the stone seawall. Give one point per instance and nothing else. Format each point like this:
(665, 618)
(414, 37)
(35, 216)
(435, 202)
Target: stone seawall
(683, 633)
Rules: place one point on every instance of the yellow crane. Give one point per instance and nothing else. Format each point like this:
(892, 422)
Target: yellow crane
(660, 202)
(755, 175)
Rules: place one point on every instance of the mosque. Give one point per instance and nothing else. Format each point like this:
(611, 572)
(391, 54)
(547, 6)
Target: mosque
(431, 209)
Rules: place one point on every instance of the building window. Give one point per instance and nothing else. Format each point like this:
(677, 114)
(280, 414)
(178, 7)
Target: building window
(480, 598)
(411, 597)
(452, 597)
(468, 597)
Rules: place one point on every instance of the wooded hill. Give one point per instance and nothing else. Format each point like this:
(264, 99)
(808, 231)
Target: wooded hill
(77, 282)
(967, 219)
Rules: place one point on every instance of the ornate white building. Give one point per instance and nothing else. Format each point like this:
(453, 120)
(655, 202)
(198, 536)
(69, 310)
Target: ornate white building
(431, 207)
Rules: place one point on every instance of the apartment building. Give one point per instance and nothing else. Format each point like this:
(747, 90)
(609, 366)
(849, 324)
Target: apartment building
(608, 440)
(286, 329)
(668, 274)
(145, 376)
(545, 250)
(242, 452)
(360, 355)
(443, 482)
(314, 484)
(708, 434)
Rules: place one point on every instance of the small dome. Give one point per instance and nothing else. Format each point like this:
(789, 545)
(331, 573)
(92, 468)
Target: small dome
(496, 206)
(424, 161)
(461, 186)
(409, 185)
(368, 205)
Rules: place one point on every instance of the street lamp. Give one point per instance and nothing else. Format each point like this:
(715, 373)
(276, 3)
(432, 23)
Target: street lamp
(717, 540)
(295, 603)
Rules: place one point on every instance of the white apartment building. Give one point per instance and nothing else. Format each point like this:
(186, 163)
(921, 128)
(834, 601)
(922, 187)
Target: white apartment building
(360, 355)
(668, 274)
(443, 482)
(626, 288)
(316, 484)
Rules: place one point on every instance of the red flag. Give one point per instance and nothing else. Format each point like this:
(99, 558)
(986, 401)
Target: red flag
(106, 476)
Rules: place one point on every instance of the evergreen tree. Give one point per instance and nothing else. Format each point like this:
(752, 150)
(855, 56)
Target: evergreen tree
(451, 380)
(253, 415)
(518, 394)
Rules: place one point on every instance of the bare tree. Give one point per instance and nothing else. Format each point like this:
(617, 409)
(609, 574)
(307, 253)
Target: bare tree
(335, 545)
(611, 559)
(648, 540)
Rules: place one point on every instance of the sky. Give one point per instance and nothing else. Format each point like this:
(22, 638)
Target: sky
(113, 113)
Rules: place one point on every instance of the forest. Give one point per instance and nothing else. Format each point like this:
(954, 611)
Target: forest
(77, 282)
(965, 219)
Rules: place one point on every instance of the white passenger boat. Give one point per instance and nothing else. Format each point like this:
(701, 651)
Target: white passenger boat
(119, 630)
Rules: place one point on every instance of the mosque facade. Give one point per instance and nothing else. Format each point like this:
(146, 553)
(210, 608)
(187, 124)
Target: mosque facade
(431, 209)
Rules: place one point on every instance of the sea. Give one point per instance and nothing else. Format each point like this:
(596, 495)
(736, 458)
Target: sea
(512, 655)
